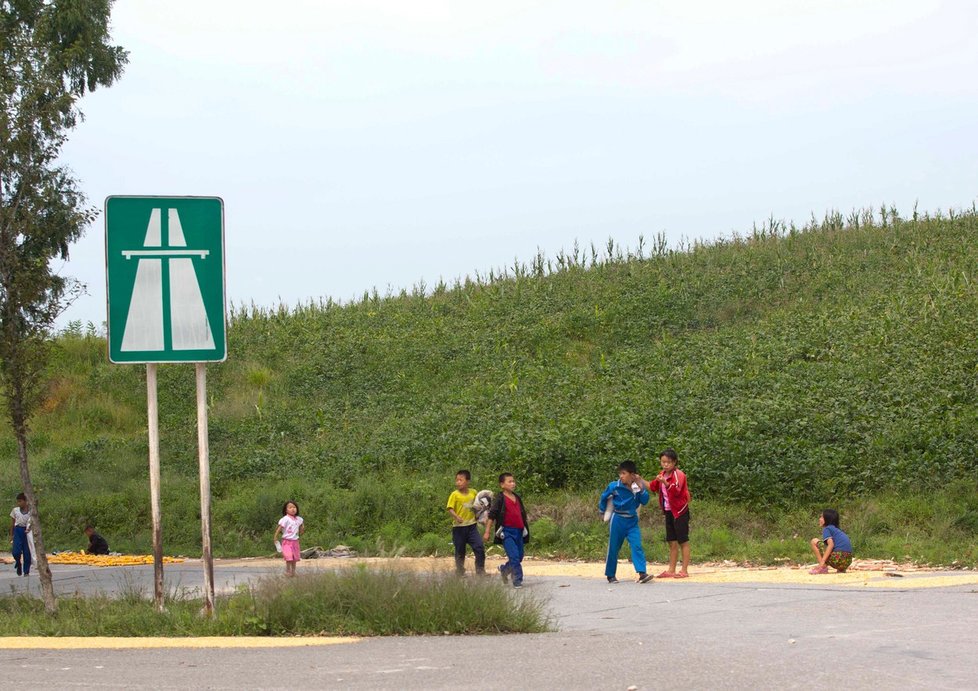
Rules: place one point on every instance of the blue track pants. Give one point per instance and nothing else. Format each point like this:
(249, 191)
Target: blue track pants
(513, 544)
(21, 549)
(622, 528)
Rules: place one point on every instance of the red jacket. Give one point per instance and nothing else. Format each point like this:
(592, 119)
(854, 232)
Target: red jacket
(675, 487)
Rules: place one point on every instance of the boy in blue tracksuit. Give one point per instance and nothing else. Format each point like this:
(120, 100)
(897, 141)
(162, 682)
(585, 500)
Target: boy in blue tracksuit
(627, 494)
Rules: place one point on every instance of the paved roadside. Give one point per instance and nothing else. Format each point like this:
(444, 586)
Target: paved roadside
(916, 633)
(699, 635)
(187, 578)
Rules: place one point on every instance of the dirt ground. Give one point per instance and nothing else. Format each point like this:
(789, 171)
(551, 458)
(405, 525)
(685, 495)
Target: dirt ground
(873, 573)
(869, 573)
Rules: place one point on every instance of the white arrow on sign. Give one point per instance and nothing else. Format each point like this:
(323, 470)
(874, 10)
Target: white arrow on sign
(189, 326)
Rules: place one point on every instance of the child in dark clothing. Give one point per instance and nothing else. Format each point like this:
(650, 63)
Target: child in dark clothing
(96, 543)
(507, 511)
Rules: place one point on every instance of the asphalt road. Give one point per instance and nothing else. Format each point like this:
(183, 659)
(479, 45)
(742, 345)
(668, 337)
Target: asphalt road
(660, 635)
(183, 578)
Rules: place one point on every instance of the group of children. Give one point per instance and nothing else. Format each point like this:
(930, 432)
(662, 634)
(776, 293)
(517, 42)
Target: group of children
(505, 510)
(620, 503)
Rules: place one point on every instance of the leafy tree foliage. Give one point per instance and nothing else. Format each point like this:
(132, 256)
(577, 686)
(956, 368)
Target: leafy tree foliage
(53, 52)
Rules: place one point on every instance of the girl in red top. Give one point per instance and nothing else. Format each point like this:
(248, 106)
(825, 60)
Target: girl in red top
(674, 500)
(507, 511)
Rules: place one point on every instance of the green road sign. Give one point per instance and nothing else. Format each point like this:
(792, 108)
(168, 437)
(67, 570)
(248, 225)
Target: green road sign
(164, 259)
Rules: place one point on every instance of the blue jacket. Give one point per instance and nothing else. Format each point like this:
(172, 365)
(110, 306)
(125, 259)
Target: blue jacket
(624, 501)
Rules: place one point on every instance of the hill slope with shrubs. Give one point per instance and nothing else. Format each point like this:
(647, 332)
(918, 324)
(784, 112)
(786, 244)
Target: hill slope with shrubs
(791, 368)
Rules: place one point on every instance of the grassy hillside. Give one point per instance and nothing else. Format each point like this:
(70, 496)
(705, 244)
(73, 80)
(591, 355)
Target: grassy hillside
(834, 364)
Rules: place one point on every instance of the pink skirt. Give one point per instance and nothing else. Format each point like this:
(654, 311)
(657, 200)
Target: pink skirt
(290, 550)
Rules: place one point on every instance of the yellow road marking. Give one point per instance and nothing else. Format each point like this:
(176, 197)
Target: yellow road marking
(111, 642)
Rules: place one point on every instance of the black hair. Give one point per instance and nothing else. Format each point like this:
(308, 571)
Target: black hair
(285, 507)
(464, 473)
(670, 453)
(628, 467)
(831, 517)
(503, 476)
(21, 496)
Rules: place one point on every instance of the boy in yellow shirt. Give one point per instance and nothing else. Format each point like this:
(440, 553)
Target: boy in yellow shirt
(465, 531)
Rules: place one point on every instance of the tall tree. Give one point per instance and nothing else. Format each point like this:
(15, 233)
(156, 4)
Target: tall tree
(53, 52)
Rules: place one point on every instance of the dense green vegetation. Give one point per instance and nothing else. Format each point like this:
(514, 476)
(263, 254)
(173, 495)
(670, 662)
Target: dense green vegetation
(792, 368)
(351, 602)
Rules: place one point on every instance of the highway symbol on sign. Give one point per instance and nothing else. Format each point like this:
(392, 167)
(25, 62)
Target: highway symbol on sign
(188, 318)
(165, 279)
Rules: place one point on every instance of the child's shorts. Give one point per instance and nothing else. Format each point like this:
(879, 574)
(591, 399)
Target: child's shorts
(677, 529)
(290, 550)
(840, 561)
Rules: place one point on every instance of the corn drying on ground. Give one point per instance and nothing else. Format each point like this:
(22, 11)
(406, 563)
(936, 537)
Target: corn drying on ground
(82, 559)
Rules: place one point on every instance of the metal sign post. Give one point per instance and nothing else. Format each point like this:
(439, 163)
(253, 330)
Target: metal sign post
(152, 414)
(165, 295)
(203, 454)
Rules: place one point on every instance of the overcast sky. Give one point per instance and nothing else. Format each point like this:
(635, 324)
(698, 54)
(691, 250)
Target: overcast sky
(377, 143)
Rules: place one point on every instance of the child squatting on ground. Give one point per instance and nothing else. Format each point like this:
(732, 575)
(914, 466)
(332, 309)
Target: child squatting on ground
(96, 543)
(627, 494)
(835, 548)
(291, 526)
(465, 531)
(507, 511)
(673, 492)
(20, 528)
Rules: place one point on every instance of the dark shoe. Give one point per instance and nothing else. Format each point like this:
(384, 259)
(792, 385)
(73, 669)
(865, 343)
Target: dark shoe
(503, 573)
(518, 585)
(612, 580)
(19, 572)
(645, 578)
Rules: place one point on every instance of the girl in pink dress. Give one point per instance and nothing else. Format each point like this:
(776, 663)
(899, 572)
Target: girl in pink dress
(291, 527)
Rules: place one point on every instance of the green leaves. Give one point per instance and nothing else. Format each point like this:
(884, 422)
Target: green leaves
(787, 366)
(52, 53)
(791, 367)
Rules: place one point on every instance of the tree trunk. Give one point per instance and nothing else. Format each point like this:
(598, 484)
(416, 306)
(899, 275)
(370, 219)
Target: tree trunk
(43, 570)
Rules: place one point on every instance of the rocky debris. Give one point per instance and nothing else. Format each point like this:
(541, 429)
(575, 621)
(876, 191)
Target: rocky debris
(338, 552)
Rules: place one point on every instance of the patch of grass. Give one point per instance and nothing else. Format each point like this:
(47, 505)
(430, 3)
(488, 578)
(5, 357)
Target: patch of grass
(365, 602)
(360, 601)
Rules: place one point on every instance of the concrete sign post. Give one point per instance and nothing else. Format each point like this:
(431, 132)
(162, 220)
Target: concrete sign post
(164, 259)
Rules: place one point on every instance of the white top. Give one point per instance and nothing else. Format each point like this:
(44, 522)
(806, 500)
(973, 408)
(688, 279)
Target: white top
(290, 527)
(21, 519)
